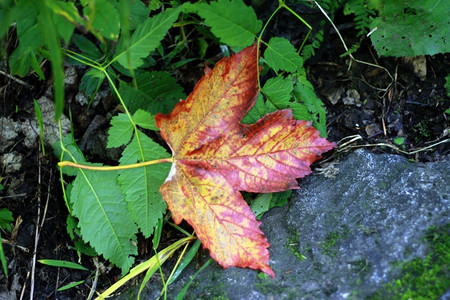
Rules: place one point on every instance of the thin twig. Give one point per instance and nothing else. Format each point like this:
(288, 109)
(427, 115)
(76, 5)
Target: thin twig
(94, 284)
(16, 79)
(13, 196)
(345, 146)
(346, 48)
(36, 235)
(39, 224)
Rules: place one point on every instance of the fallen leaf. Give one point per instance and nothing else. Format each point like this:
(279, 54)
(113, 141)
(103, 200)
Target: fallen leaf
(216, 157)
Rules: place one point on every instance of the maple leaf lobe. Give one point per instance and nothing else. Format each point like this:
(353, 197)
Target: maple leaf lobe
(216, 157)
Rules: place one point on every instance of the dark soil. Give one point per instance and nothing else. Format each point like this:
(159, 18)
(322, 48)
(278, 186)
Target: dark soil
(404, 106)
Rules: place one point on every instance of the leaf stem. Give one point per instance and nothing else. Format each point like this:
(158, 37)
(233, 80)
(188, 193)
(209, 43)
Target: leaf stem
(63, 164)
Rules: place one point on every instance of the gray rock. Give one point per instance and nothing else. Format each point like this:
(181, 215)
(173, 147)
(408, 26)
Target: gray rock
(339, 237)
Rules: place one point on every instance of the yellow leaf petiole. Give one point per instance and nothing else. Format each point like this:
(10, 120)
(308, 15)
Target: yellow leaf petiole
(63, 164)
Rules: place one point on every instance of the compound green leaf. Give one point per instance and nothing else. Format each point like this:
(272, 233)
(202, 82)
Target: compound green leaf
(141, 185)
(281, 55)
(120, 131)
(411, 28)
(103, 216)
(232, 21)
(146, 38)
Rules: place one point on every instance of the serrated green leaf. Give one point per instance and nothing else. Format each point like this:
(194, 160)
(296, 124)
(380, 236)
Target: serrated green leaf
(120, 132)
(162, 88)
(104, 17)
(235, 23)
(281, 55)
(146, 38)
(71, 146)
(155, 92)
(103, 217)
(141, 185)
(304, 93)
(278, 91)
(411, 28)
(145, 120)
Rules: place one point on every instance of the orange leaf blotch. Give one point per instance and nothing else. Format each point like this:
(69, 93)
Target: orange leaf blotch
(220, 217)
(219, 101)
(215, 157)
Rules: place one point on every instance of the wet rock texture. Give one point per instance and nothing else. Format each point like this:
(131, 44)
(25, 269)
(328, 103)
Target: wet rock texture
(339, 237)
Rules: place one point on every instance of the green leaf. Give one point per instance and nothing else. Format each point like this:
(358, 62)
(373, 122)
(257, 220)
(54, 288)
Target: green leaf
(141, 185)
(71, 146)
(3, 258)
(8, 13)
(281, 55)
(103, 216)
(104, 17)
(278, 91)
(145, 120)
(155, 92)
(232, 21)
(88, 48)
(70, 285)
(138, 13)
(6, 217)
(62, 11)
(146, 38)
(54, 46)
(305, 94)
(256, 112)
(62, 264)
(447, 85)
(411, 28)
(261, 204)
(162, 88)
(91, 81)
(264, 202)
(120, 132)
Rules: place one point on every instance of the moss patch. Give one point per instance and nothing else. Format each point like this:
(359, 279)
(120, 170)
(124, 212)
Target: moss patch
(294, 245)
(331, 239)
(426, 278)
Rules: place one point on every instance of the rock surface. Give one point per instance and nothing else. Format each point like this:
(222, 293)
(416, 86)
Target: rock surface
(339, 237)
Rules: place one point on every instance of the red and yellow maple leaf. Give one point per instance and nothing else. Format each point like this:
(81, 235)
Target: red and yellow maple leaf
(215, 157)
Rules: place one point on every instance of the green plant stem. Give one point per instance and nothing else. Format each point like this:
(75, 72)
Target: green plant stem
(260, 40)
(63, 164)
(282, 4)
